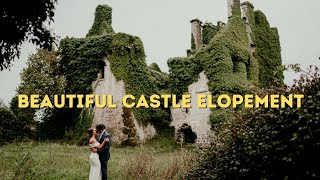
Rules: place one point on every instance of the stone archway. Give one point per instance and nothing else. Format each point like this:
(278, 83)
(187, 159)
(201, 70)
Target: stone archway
(186, 135)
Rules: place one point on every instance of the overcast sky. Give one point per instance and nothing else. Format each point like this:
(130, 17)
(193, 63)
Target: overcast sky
(165, 29)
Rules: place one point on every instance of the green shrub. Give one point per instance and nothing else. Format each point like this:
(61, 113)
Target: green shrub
(269, 143)
(10, 127)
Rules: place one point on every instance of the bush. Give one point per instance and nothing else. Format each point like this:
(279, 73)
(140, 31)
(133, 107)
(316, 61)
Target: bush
(10, 127)
(78, 134)
(269, 143)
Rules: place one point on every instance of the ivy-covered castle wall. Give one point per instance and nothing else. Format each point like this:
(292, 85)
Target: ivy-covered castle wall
(226, 60)
(235, 57)
(84, 58)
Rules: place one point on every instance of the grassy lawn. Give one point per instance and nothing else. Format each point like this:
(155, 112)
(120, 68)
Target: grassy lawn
(33, 160)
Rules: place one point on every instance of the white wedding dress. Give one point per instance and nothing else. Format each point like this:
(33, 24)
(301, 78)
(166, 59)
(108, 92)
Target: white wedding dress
(95, 166)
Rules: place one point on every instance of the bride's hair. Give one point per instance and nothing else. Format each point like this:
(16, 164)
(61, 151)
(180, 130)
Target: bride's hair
(90, 132)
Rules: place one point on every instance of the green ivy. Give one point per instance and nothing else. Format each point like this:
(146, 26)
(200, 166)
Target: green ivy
(226, 61)
(155, 67)
(226, 58)
(267, 43)
(160, 79)
(182, 73)
(208, 32)
(102, 22)
(127, 61)
(82, 58)
(268, 50)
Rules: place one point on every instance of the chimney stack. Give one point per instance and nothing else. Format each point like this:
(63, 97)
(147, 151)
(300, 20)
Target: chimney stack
(196, 33)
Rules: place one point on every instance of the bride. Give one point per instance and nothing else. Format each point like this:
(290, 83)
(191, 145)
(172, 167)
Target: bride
(95, 166)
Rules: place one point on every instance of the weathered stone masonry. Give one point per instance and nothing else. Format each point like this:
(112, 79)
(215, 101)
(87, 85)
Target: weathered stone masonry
(113, 117)
(196, 33)
(195, 117)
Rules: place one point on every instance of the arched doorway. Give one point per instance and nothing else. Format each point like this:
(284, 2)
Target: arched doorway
(186, 135)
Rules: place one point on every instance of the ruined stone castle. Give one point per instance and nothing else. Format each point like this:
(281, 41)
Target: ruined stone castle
(205, 37)
(224, 58)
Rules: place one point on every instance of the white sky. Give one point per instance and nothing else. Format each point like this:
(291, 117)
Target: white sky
(164, 28)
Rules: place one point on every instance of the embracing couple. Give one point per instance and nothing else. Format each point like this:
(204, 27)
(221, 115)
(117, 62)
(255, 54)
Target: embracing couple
(99, 145)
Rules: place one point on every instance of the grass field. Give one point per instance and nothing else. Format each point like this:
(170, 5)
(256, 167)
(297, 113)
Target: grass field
(33, 160)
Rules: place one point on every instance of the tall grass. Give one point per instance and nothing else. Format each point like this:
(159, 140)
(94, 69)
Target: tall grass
(51, 161)
(148, 165)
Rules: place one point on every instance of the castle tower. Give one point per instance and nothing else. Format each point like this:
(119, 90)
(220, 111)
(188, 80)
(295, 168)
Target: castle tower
(102, 23)
(231, 5)
(196, 35)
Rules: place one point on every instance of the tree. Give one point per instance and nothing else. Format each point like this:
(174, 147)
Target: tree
(26, 23)
(25, 117)
(42, 75)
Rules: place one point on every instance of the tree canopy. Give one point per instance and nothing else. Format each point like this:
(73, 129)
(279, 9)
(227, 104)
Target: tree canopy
(24, 24)
(41, 76)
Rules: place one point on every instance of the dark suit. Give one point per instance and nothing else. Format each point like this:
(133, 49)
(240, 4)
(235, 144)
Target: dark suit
(104, 154)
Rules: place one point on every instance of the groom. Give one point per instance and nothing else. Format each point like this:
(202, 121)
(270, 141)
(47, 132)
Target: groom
(104, 153)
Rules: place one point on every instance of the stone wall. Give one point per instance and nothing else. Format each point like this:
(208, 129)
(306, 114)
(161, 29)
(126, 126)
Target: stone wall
(113, 117)
(197, 118)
